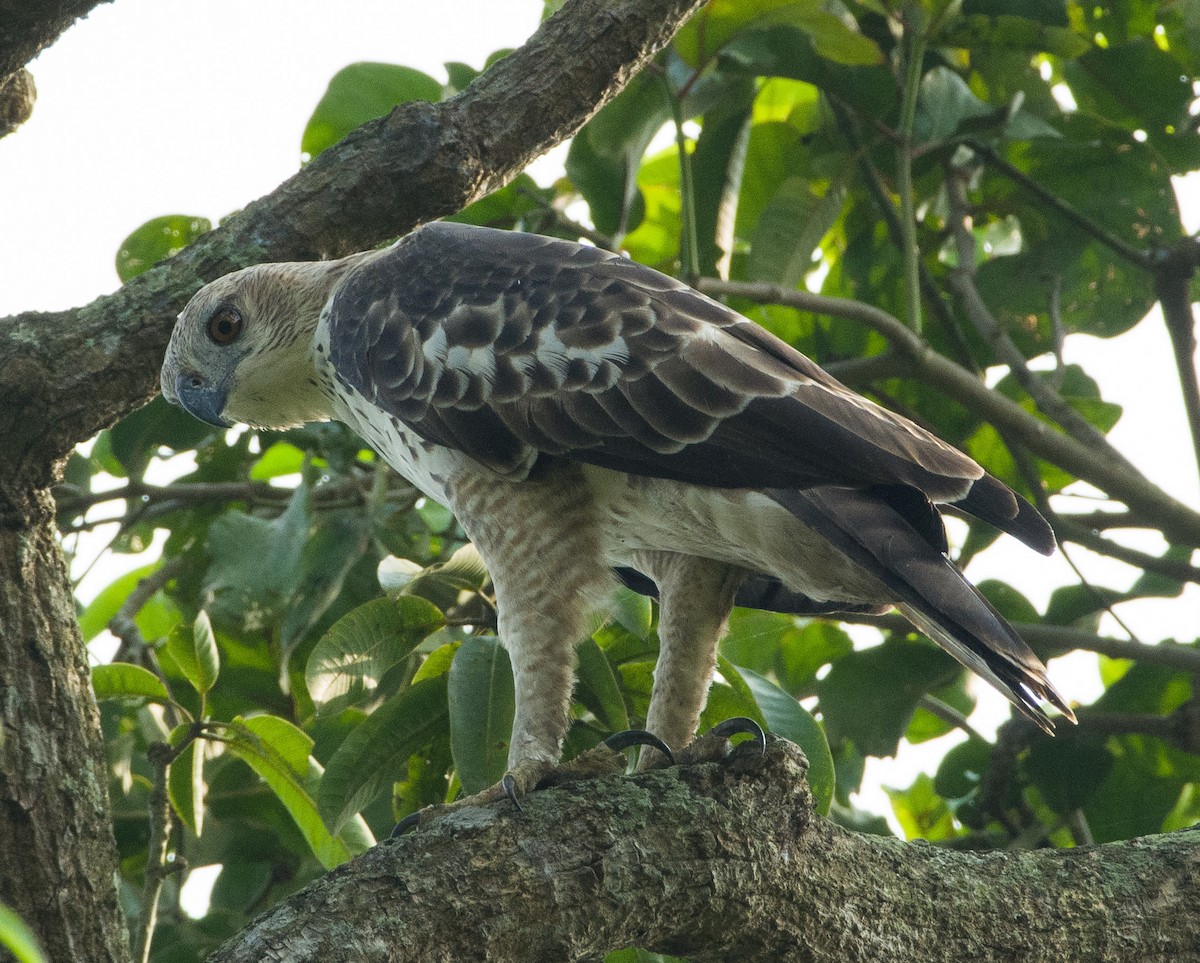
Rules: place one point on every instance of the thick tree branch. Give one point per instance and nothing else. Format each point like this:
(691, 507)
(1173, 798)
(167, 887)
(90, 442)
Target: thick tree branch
(66, 375)
(720, 862)
(29, 26)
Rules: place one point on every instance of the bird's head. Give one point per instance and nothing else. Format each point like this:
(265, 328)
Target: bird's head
(242, 348)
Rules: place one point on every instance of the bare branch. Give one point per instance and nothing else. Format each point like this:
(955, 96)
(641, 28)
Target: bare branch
(1052, 200)
(962, 282)
(1177, 520)
(1052, 640)
(1173, 273)
(32, 25)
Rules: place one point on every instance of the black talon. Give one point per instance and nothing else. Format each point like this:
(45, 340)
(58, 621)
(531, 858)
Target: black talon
(738, 724)
(620, 741)
(407, 824)
(510, 790)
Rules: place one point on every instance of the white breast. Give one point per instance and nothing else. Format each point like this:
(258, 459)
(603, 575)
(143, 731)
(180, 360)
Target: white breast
(425, 465)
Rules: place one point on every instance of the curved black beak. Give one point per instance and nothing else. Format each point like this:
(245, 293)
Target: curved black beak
(201, 399)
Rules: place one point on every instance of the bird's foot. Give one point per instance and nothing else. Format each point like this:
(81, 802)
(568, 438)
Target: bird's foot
(606, 759)
(714, 745)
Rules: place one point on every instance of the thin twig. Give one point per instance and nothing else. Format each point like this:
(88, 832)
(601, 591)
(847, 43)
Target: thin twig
(883, 203)
(1054, 640)
(602, 241)
(962, 282)
(1178, 569)
(949, 715)
(158, 866)
(1172, 517)
(1078, 218)
(1173, 273)
(912, 47)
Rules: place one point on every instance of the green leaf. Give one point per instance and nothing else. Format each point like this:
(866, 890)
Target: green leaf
(18, 938)
(1067, 771)
(787, 718)
(347, 665)
(280, 459)
(157, 240)
(945, 104)
(922, 813)
(362, 92)
(185, 781)
(195, 652)
(446, 584)
(121, 680)
(376, 753)
(482, 704)
(268, 749)
(962, 769)
(598, 689)
(339, 542)
(1005, 32)
(718, 165)
(604, 157)
(291, 743)
(136, 439)
(1138, 793)
(437, 663)
(870, 696)
(834, 40)
(925, 725)
(108, 602)
(787, 51)
(256, 564)
(242, 885)
(741, 688)
(790, 229)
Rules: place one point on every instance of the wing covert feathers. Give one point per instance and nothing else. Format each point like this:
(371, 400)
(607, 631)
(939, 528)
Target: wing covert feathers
(508, 346)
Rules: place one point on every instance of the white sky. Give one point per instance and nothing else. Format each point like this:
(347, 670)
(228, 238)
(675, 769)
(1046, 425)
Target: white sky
(154, 107)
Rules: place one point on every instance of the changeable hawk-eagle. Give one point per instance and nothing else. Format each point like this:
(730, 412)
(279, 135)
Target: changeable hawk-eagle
(583, 415)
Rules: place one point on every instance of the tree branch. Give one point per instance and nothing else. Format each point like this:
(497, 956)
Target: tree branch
(1051, 640)
(1176, 520)
(32, 25)
(718, 862)
(1173, 273)
(64, 376)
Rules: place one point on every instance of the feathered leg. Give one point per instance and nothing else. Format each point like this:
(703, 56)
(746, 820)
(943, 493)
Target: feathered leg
(548, 573)
(695, 598)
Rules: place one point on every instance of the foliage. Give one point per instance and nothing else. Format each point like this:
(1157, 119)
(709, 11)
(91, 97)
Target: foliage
(304, 711)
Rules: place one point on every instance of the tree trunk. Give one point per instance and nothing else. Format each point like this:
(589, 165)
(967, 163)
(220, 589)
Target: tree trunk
(721, 862)
(56, 839)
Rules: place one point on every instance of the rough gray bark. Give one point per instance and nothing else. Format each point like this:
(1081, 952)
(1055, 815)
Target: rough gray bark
(57, 858)
(720, 862)
(66, 375)
(26, 28)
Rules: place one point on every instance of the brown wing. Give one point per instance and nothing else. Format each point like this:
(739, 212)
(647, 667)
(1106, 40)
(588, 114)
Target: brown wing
(508, 346)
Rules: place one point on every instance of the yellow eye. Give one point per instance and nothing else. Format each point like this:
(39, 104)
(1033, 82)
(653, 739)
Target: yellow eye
(225, 325)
